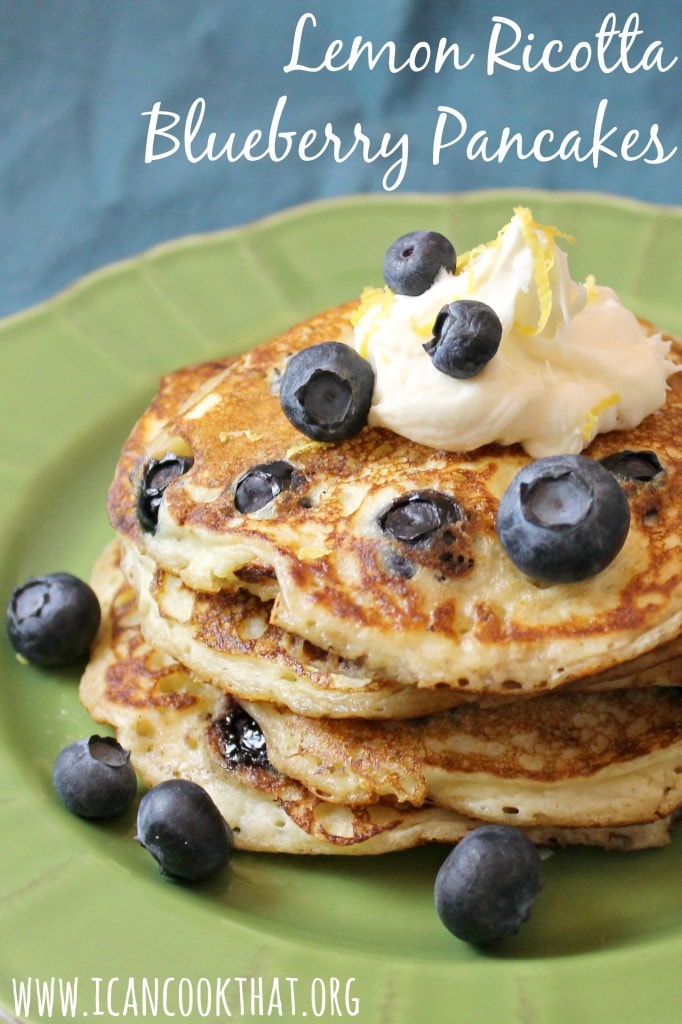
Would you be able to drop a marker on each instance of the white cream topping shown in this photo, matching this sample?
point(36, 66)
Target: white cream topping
point(573, 361)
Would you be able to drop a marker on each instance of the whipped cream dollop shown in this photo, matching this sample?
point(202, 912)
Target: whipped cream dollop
point(572, 362)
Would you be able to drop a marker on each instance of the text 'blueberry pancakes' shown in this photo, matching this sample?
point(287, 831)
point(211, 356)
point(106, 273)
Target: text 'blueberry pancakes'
point(446, 515)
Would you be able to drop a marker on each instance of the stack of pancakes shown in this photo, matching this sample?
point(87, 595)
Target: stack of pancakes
point(340, 685)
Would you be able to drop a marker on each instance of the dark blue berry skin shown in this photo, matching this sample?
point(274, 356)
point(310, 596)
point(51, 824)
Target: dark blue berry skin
point(466, 336)
point(563, 519)
point(261, 484)
point(157, 477)
point(52, 620)
point(412, 263)
point(326, 391)
point(627, 465)
point(94, 778)
point(179, 824)
point(487, 885)
point(417, 517)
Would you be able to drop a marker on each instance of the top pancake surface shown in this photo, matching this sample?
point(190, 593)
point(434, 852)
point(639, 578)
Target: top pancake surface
point(456, 611)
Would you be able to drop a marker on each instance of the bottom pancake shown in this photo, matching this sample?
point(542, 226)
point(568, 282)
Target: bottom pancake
point(569, 760)
point(176, 726)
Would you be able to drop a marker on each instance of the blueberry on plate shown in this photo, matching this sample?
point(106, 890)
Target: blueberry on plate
point(326, 391)
point(158, 475)
point(52, 620)
point(466, 336)
point(261, 484)
point(487, 885)
point(412, 263)
point(180, 825)
point(563, 518)
point(94, 777)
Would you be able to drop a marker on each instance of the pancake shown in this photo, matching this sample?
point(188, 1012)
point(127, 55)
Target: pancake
point(175, 727)
point(455, 611)
point(555, 767)
point(228, 640)
point(569, 760)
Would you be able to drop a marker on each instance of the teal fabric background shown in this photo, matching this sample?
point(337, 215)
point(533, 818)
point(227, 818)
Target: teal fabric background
point(78, 76)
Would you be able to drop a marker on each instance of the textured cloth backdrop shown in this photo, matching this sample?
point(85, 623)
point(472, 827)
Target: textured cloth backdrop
point(85, 83)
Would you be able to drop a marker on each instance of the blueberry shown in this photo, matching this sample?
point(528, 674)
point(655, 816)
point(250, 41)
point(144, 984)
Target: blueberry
point(180, 825)
point(260, 484)
point(326, 391)
point(414, 518)
point(94, 778)
point(412, 263)
point(157, 476)
point(487, 885)
point(241, 740)
point(628, 465)
point(563, 518)
point(466, 336)
point(52, 620)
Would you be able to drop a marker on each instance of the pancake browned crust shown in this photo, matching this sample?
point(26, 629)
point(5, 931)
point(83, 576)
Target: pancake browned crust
point(228, 640)
point(569, 760)
point(563, 765)
point(456, 612)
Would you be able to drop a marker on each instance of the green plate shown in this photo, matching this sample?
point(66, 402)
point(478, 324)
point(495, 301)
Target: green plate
point(81, 903)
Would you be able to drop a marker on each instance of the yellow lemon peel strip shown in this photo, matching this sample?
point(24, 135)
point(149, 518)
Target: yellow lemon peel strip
point(540, 239)
point(375, 300)
point(591, 288)
point(424, 330)
point(541, 248)
point(467, 261)
point(594, 414)
point(380, 297)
